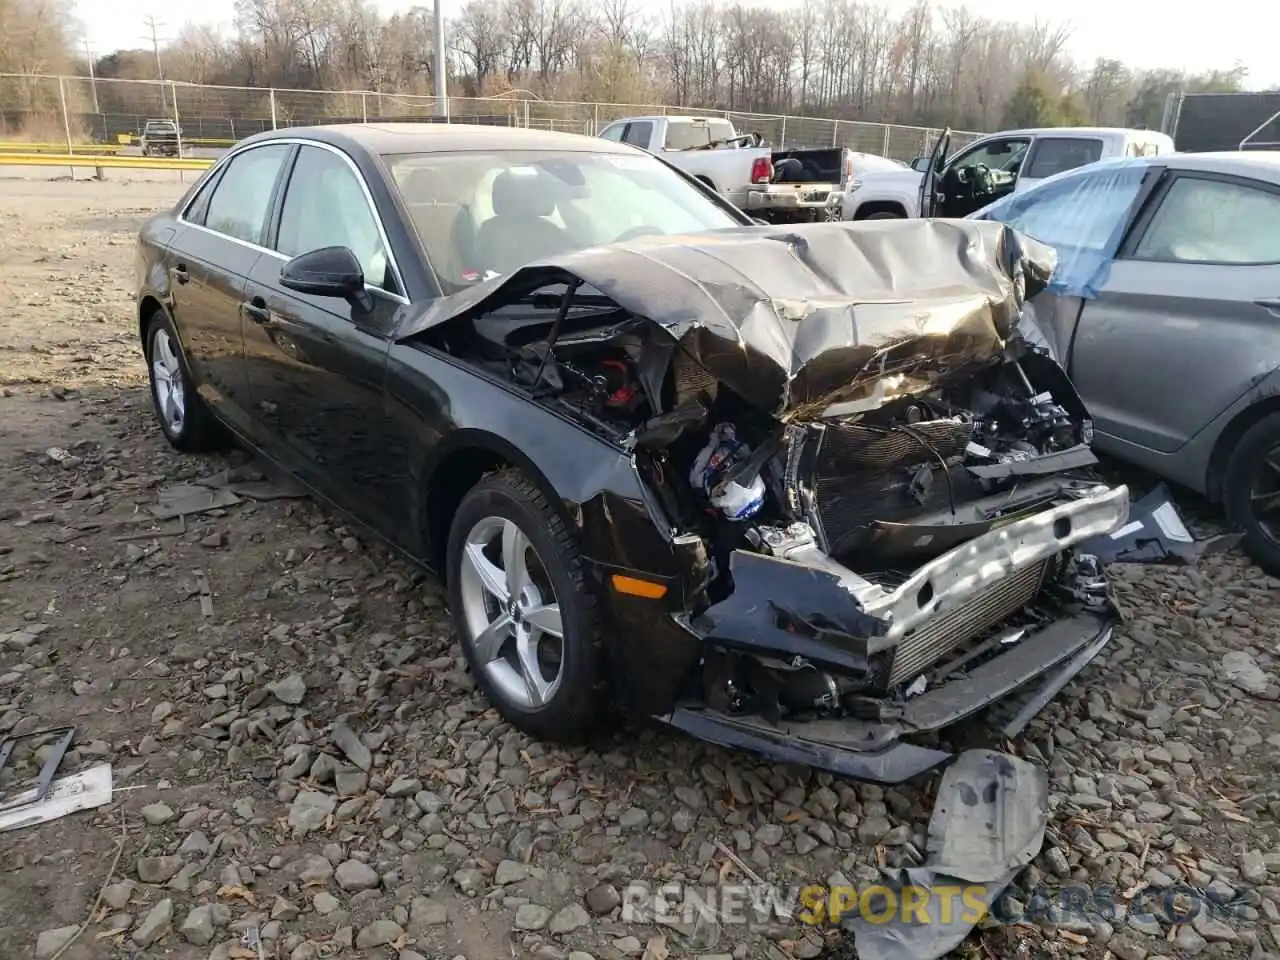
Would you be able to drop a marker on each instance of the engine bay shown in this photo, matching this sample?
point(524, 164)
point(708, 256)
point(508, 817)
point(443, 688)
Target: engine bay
point(722, 468)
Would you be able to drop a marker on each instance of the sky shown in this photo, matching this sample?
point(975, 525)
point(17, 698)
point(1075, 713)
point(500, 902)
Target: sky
point(1127, 30)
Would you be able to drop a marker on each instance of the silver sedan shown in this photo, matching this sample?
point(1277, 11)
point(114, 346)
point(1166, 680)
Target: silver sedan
point(1165, 310)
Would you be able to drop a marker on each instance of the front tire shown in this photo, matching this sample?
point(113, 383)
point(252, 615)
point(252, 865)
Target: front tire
point(1251, 492)
point(884, 215)
point(525, 614)
point(187, 423)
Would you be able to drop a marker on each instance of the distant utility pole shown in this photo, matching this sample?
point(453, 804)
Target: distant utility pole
point(153, 25)
point(442, 87)
point(93, 81)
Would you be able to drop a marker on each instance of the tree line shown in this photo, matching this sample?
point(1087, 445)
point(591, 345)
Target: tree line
point(848, 59)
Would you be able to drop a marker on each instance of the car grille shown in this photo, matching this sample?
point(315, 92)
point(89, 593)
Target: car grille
point(938, 637)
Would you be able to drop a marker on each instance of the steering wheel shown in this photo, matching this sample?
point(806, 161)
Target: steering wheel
point(636, 232)
point(981, 179)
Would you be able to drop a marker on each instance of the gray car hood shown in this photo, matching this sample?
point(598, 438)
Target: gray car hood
point(798, 319)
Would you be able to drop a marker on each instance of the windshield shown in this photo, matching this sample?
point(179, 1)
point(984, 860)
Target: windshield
point(480, 215)
point(681, 135)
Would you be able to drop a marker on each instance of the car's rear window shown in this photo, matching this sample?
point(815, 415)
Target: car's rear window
point(1050, 155)
point(683, 135)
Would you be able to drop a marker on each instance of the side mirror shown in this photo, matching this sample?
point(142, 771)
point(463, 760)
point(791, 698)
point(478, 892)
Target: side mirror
point(327, 272)
point(919, 164)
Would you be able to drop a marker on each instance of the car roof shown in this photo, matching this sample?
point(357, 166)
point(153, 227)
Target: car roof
point(670, 118)
point(387, 139)
point(1262, 164)
point(1080, 132)
point(1259, 164)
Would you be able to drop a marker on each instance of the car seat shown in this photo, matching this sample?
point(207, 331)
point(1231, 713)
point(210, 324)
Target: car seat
point(442, 221)
point(519, 230)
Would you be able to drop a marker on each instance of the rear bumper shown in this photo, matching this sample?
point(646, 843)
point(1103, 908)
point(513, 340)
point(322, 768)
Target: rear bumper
point(1037, 667)
point(784, 197)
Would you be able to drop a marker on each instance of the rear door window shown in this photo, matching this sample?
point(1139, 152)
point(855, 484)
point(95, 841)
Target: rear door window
point(1050, 155)
point(639, 134)
point(241, 200)
point(683, 136)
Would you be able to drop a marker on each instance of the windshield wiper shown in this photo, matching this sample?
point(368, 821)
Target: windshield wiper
point(565, 303)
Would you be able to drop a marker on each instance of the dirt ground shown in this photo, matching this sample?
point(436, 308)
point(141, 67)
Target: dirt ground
point(298, 756)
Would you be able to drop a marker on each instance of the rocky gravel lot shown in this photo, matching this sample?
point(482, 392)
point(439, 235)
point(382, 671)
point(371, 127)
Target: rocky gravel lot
point(299, 756)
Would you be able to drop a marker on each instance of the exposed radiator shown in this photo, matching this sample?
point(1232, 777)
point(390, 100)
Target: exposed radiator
point(928, 644)
point(861, 475)
point(854, 446)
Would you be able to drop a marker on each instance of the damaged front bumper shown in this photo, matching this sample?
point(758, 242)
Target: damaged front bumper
point(876, 752)
point(905, 662)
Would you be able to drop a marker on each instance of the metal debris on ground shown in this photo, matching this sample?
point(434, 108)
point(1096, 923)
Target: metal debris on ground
point(988, 823)
point(48, 769)
point(51, 799)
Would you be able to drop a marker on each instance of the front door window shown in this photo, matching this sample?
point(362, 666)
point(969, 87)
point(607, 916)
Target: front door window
point(984, 173)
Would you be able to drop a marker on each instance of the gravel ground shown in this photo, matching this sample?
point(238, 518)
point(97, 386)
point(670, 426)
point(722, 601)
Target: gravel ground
point(307, 758)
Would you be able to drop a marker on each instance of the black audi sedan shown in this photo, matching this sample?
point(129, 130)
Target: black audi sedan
point(797, 490)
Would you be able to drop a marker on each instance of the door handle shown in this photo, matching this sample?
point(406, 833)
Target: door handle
point(180, 273)
point(256, 310)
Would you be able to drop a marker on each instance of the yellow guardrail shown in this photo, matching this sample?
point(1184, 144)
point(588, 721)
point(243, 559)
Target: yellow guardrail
point(7, 147)
point(104, 162)
point(133, 140)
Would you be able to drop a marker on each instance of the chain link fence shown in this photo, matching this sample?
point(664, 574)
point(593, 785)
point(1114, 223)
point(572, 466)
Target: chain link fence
point(49, 109)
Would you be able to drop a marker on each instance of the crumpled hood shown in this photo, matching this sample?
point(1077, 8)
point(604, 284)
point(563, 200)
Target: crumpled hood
point(795, 319)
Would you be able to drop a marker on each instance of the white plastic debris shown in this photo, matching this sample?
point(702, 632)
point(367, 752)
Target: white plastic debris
point(81, 791)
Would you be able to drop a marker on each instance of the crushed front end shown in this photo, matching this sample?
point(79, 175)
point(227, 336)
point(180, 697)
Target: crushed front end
point(874, 496)
point(925, 566)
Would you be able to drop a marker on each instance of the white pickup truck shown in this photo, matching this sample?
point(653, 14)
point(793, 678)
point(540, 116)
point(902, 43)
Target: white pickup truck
point(990, 167)
point(780, 186)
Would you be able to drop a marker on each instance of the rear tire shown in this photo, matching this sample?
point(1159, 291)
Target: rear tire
point(1251, 492)
point(186, 422)
point(506, 534)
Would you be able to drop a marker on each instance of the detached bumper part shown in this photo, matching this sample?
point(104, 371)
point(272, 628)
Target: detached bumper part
point(988, 823)
point(1155, 534)
point(1053, 655)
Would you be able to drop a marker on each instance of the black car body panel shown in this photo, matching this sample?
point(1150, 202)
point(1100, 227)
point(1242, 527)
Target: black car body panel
point(912, 559)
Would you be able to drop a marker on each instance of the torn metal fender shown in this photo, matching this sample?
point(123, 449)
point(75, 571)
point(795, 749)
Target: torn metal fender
point(1155, 534)
point(988, 823)
point(799, 318)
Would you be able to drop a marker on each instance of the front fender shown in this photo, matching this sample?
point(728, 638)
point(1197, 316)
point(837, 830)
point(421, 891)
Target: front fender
point(448, 408)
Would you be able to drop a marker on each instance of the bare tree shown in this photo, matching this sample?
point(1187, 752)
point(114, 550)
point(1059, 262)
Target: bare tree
point(930, 64)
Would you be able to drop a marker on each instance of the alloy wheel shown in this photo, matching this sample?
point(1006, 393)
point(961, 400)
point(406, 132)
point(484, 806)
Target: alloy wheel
point(511, 612)
point(1264, 495)
point(167, 382)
